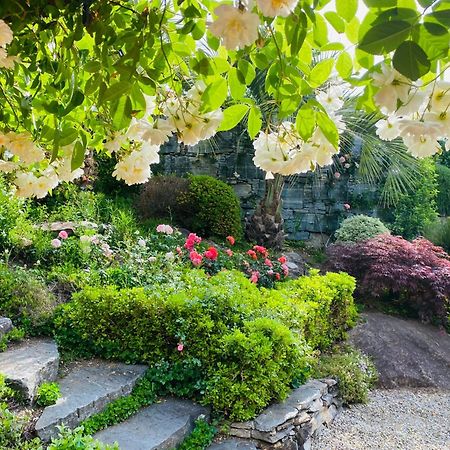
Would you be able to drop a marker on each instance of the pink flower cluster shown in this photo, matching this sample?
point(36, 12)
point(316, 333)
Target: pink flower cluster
point(166, 229)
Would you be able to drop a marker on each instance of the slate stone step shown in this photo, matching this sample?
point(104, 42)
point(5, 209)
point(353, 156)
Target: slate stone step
point(30, 364)
point(5, 326)
point(233, 444)
point(160, 426)
point(86, 390)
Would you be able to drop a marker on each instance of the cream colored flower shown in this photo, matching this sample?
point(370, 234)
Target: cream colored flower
point(440, 97)
point(442, 118)
point(7, 62)
point(8, 166)
point(393, 87)
point(388, 129)
point(115, 143)
point(410, 127)
point(422, 145)
point(273, 8)
point(331, 99)
point(236, 28)
point(22, 145)
point(6, 34)
point(25, 182)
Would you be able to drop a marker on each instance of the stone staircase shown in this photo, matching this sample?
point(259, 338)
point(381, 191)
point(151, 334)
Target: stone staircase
point(91, 385)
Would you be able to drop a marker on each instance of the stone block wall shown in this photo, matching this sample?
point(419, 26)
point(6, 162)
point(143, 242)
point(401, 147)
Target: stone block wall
point(313, 203)
point(291, 424)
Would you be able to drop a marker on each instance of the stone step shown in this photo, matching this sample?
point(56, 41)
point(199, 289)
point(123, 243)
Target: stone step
point(5, 326)
point(233, 444)
point(160, 426)
point(86, 390)
point(30, 364)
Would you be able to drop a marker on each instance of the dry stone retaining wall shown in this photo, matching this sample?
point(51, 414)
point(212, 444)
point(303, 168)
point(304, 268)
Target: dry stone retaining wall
point(291, 424)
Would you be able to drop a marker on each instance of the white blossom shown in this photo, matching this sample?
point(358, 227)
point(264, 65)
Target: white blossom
point(273, 8)
point(422, 145)
point(236, 28)
point(6, 34)
point(331, 99)
point(440, 97)
point(388, 129)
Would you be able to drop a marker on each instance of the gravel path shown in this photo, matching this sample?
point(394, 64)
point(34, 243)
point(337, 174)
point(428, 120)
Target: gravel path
point(397, 419)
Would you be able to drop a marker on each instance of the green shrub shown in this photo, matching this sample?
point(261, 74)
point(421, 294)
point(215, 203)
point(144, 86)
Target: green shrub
point(6, 393)
point(219, 336)
point(210, 207)
point(443, 196)
point(360, 228)
point(354, 371)
point(76, 440)
point(438, 233)
point(24, 298)
point(417, 209)
point(255, 365)
point(48, 394)
point(200, 438)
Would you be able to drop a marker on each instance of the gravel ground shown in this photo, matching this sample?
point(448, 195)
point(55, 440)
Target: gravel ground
point(403, 419)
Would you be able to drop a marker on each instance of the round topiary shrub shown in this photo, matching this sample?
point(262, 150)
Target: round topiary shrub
point(210, 207)
point(360, 228)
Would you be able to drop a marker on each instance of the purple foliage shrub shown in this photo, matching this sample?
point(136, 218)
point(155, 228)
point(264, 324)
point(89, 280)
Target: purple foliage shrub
point(414, 273)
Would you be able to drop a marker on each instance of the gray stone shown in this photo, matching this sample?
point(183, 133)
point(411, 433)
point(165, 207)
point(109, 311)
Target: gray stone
point(303, 417)
point(329, 381)
point(159, 427)
point(233, 444)
point(406, 352)
point(30, 364)
point(240, 433)
point(5, 326)
point(272, 437)
point(85, 391)
point(275, 415)
point(249, 425)
point(304, 395)
point(316, 405)
point(307, 445)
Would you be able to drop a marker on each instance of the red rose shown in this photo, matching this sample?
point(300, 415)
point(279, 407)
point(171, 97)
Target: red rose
point(211, 253)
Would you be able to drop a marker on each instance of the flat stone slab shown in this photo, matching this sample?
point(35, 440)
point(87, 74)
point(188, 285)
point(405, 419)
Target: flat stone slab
point(30, 364)
point(5, 326)
point(407, 353)
point(233, 444)
point(86, 390)
point(160, 426)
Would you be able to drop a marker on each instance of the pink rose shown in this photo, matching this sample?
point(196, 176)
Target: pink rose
point(195, 258)
point(268, 262)
point(63, 234)
point(180, 347)
point(342, 159)
point(56, 243)
point(254, 277)
point(347, 206)
point(211, 253)
point(229, 252)
point(337, 175)
point(160, 228)
point(282, 259)
point(231, 240)
point(285, 269)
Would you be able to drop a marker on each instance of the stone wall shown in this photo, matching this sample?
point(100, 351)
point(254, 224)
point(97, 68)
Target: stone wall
point(291, 424)
point(313, 203)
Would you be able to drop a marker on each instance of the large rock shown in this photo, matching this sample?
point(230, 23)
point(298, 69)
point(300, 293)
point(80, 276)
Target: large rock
point(296, 264)
point(5, 326)
point(86, 390)
point(406, 352)
point(30, 364)
point(159, 427)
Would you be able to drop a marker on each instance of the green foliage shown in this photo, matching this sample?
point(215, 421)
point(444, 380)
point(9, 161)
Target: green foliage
point(417, 209)
point(200, 438)
point(360, 228)
point(354, 371)
point(48, 394)
point(16, 334)
point(256, 365)
point(24, 298)
point(443, 197)
point(75, 440)
point(210, 207)
point(438, 233)
point(219, 337)
point(143, 394)
point(6, 392)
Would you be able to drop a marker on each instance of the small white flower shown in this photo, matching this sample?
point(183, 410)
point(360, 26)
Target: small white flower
point(331, 99)
point(170, 256)
point(422, 146)
point(273, 8)
point(236, 28)
point(440, 97)
point(388, 129)
point(142, 243)
point(6, 34)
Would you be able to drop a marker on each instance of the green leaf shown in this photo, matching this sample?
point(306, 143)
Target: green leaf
point(305, 122)
point(344, 65)
point(67, 136)
point(237, 89)
point(76, 100)
point(320, 31)
point(442, 16)
point(116, 90)
point(321, 72)
point(385, 37)
point(347, 9)
point(328, 128)
point(425, 3)
point(78, 155)
point(121, 113)
point(380, 3)
point(335, 20)
point(410, 60)
point(254, 122)
point(215, 95)
point(232, 116)
point(247, 71)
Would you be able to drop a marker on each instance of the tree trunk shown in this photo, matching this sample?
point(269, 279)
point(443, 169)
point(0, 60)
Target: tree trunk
point(266, 225)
